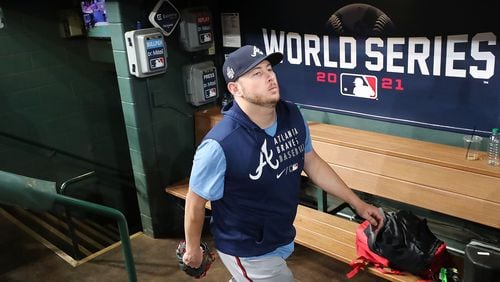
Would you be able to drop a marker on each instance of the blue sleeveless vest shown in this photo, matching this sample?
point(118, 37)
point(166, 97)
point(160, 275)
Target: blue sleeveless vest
point(262, 181)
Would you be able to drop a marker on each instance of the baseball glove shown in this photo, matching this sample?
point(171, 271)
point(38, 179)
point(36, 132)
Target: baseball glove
point(208, 259)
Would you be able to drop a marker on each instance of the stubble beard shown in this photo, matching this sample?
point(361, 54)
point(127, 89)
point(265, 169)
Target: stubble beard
point(263, 100)
point(259, 101)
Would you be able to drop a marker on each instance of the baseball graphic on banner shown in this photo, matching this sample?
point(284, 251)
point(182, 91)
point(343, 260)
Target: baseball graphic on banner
point(360, 19)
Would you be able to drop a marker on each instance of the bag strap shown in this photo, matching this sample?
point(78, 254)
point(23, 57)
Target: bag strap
point(356, 266)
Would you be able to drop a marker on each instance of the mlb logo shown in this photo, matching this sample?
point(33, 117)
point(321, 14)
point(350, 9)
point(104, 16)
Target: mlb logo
point(211, 92)
point(205, 37)
point(358, 85)
point(157, 63)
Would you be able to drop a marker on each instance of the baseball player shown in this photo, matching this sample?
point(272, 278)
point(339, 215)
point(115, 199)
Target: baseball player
point(249, 166)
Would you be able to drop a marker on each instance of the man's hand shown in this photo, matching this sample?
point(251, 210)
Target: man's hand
point(193, 257)
point(194, 262)
point(371, 213)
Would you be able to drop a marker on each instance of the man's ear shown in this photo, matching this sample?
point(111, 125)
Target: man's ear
point(233, 88)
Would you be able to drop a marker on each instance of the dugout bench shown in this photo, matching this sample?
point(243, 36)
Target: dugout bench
point(430, 176)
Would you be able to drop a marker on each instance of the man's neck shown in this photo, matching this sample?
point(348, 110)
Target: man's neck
point(263, 116)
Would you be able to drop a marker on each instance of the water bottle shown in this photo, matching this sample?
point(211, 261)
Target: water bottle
point(494, 148)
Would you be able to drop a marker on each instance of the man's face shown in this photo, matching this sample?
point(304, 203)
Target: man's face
point(259, 86)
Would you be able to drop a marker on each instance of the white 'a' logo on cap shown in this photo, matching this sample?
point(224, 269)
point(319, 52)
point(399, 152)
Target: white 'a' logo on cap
point(230, 72)
point(256, 51)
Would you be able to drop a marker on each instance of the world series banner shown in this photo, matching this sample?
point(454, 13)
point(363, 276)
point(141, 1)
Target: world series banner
point(398, 61)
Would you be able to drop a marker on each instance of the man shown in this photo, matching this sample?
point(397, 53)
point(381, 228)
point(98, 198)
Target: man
point(249, 167)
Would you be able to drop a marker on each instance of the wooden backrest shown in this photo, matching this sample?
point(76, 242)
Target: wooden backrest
point(428, 175)
point(424, 174)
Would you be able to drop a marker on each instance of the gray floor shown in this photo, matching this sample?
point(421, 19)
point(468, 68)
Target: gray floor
point(25, 259)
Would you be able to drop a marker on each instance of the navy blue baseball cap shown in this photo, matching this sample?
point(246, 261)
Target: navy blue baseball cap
point(244, 59)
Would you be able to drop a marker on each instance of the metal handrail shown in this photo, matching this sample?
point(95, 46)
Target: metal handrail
point(113, 214)
point(69, 221)
point(41, 195)
point(62, 188)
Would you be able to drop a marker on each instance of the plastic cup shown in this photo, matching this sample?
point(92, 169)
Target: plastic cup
point(472, 146)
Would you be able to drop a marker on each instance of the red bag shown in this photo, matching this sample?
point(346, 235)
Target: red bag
point(404, 243)
point(366, 257)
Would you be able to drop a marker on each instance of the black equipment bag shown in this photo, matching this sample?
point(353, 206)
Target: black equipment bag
point(408, 244)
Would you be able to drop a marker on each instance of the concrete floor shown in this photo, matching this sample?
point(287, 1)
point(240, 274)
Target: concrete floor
point(23, 258)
